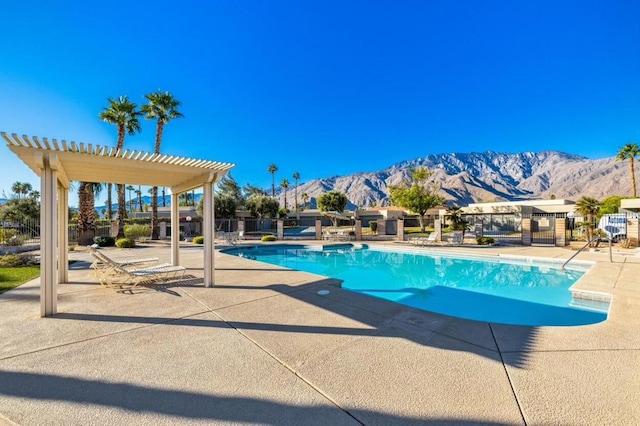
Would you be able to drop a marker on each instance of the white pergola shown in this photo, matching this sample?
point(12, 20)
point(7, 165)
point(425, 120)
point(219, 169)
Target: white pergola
point(59, 163)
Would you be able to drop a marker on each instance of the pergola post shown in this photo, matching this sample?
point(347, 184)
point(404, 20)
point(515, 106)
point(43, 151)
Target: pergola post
point(48, 235)
point(175, 228)
point(63, 234)
point(208, 232)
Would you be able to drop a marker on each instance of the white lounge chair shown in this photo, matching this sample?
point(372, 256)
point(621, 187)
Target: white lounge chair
point(119, 273)
point(424, 241)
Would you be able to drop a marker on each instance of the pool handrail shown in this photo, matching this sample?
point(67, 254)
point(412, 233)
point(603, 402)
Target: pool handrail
point(578, 252)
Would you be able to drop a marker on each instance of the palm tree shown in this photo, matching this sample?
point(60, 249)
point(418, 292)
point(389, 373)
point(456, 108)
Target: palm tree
point(629, 152)
point(284, 185)
point(296, 176)
point(87, 191)
point(34, 195)
point(130, 188)
point(163, 108)
point(124, 114)
point(273, 169)
point(139, 194)
point(21, 188)
point(305, 198)
point(588, 207)
point(109, 202)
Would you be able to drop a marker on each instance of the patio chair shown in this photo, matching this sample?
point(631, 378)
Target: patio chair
point(425, 241)
point(116, 273)
point(457, 239)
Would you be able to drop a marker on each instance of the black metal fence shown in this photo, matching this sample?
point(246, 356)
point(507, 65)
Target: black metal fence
point(15, 236)
point(502, 227)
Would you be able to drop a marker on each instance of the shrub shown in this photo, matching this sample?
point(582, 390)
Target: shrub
point(137, 232)
point(373, 225)
point(268, 238)
point(485, 241)
point(104, 241)
point(15, 260)
point(125, 243)
point(198, 240)
point(17, 240)
point(7, 234)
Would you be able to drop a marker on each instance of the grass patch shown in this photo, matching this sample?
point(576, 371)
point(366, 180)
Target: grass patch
point(13, 277)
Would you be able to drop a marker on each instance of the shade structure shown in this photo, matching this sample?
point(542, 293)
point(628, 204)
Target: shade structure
point(57, 163)
point(336, 215)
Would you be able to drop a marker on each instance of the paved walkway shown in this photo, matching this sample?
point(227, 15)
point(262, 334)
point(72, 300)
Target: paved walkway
point(264, 348)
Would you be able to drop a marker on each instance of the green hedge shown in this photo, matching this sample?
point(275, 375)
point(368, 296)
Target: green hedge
point(268, 238)
point(485, 241)
point(104, 241)
point(125, 243)
point(137, 232)
point(198, 240)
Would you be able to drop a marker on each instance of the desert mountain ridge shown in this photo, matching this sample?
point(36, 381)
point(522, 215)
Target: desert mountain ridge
point(485, 176)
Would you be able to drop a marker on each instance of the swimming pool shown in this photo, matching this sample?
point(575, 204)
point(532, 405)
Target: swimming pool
point(500, 290)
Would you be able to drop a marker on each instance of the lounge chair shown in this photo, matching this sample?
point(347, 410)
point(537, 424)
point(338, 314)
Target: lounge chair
point(457, 239)
point(119, 273)
point(424, 241)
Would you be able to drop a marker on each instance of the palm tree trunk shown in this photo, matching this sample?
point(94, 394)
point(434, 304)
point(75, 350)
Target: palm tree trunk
point(121, 211)
point(122, 208)
point(109, 204)
point(155, 234)
point(633, 176)
point(86, 214)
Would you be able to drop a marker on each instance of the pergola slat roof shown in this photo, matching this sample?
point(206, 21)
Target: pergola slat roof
point(59, 163)
point(97, 163)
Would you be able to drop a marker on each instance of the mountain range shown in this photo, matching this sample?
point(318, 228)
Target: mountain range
point(465, 178)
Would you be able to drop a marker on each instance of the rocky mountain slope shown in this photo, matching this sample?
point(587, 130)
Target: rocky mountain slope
point(487, 176)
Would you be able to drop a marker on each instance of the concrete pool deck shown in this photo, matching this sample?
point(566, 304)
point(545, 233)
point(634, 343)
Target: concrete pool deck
point(263, 347)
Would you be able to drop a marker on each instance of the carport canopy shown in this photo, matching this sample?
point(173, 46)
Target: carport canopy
point(57, 163)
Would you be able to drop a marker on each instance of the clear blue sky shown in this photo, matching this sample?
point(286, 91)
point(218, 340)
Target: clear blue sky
point(326, 87)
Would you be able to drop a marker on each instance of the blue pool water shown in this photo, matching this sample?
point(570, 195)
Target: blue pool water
point(499, 291)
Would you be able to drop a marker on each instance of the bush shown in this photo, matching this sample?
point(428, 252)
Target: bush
point(137, 232)
point(485, 241)
point(104, 241)
point(7, 234)
point(268, 238)
point(17, 240)
point(373, 225)
point(198, 240)
point(15, 260)
point(125, 243)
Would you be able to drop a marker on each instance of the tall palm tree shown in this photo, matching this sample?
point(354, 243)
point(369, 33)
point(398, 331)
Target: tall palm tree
point(124, 114)
point(629, 152)
point(21, 188)
point(273, 169)
point(109, 202)
point(305, 198)
point(130, 188)
point(162, 107)
point(296, 176)
point(139, 194)
point(16, 188)
point(87, 192)
point(588, 207)
point(284, 185)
